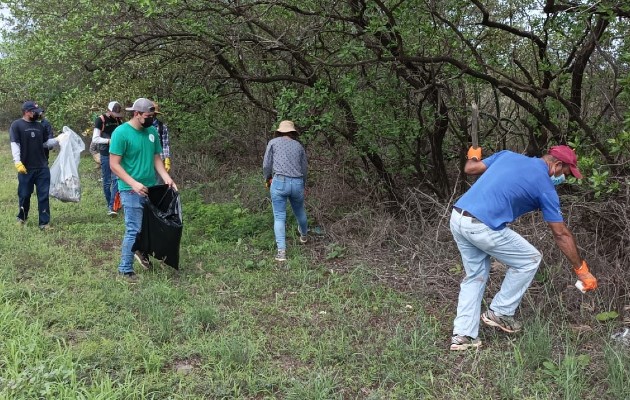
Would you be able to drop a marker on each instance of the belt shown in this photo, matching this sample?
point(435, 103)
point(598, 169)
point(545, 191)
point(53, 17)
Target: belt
point(463, 212)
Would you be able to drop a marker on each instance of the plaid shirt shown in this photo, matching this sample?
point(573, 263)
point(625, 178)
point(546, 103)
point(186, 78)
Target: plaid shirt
point(166, 144)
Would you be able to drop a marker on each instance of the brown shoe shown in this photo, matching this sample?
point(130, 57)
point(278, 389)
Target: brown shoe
point(143, 259)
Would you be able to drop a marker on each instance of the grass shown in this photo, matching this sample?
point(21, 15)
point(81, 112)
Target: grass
point(233, 324)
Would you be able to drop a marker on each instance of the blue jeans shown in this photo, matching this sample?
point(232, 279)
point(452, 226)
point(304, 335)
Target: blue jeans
point(110, 182)
point(283, 188)
point(133, 205)
point(477, 243)
point(40, 179)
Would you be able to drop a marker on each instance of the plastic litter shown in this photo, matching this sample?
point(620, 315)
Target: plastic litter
point(622, 337)
point(64, 173)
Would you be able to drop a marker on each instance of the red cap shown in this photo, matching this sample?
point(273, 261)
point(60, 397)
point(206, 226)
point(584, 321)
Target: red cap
point(567, 156)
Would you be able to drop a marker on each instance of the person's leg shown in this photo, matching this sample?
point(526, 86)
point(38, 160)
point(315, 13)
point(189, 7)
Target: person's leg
point(522, 261)
point(106, 174)
point(477, 267)
point(133, 205)
point(25, 190)
point(279, 205)
point(42, 183)
point(297, 204)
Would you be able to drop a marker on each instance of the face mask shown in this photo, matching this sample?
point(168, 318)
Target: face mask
point(557, 180)
point(148, 121)
point(36, 116)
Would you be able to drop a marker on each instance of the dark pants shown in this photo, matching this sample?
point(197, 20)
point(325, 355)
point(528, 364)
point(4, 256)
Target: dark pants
point(39, 178)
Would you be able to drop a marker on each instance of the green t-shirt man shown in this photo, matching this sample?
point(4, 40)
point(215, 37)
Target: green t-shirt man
point(137, 149)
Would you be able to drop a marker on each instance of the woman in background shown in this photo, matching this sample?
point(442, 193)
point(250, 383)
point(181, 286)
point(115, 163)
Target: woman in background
point(284, 170)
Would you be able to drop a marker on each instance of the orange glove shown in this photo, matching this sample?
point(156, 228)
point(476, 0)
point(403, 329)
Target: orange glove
point(474, 154)
point(268, 183)
point(585, 277)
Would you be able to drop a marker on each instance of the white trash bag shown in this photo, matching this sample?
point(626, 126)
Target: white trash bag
point(64, 173)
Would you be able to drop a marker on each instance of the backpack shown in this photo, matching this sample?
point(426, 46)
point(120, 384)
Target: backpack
point(102, 146)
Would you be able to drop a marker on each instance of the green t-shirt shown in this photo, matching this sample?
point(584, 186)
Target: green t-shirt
point(137, 149)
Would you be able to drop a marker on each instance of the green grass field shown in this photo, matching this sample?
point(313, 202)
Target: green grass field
point(233, 324)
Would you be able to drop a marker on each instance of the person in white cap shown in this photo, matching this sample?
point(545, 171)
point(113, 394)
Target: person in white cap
point(135, 158)
point(104, 126)
point(284, 169)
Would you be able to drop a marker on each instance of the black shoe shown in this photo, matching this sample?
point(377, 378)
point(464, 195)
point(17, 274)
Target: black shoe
point(143, 259)
point(130, 277)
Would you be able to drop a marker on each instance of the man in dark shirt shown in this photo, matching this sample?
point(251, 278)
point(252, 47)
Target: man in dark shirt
point(28, 139)
point(104, 126)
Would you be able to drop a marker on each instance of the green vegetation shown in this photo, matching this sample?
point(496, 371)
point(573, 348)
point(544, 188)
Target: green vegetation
point(233, 324)
point(382, 88)
point(381, 93)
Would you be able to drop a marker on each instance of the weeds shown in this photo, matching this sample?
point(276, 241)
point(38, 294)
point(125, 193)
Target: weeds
point(341, 319)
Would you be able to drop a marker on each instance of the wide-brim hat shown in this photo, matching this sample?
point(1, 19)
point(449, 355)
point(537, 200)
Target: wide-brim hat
point(286, 127)
point(567, 156)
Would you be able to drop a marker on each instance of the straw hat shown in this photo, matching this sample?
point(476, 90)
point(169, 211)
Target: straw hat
point(286, 127)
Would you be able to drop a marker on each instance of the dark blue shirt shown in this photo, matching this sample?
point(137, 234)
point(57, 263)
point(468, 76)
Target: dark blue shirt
point(31, 137)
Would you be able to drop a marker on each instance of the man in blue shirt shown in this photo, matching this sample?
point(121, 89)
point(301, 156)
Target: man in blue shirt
point(510, 185)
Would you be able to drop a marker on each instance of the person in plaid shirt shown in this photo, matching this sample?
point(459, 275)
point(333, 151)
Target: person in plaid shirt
point(164, 140)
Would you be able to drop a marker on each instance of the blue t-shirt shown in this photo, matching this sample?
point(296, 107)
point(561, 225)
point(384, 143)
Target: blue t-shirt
point(512, 185)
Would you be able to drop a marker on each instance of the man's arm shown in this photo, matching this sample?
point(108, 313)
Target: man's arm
point(114, 164)
point(473, 167)
point(99, 125)
point(566, 242)
point(97, 138)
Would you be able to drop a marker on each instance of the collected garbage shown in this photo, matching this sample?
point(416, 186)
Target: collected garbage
point(162, 225)
point(64, 173)
point(622, 337)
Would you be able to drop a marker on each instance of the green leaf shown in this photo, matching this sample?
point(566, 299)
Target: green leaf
point(606, 316)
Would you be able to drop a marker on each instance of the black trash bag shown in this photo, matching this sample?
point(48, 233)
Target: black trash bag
point(161, 231)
